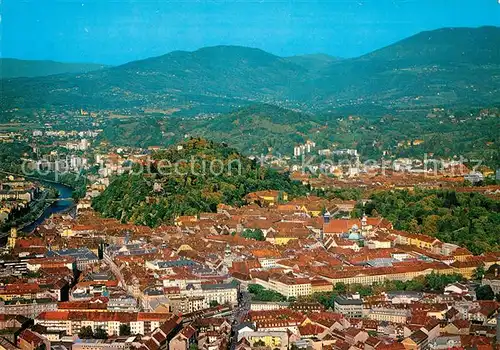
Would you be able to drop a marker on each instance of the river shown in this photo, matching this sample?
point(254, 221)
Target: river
point(54, 208)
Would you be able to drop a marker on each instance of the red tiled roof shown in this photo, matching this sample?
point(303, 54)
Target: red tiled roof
point(102, 316)
point(188, 332)
point(311, 329)
point(326, 319)
point(31, 337)
point(20, 288)
point(340, 226)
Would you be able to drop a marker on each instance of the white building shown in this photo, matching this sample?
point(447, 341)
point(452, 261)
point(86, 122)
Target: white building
point(223, 293)
point(286, 285)
point(72, 321)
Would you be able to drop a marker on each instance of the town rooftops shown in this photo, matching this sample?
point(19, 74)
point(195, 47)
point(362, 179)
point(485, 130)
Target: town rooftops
point(97, 316)
point(77, 253)
point(344, 300)
point(232, 285)
point(419, 337)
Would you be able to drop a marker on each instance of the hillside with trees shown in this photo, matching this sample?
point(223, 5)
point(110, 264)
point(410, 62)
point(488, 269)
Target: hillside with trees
point(262, 128)
point(201, 175)
point(467, 219)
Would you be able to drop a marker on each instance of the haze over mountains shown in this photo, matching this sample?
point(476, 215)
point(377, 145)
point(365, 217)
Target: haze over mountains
point(15, 68)
point(451, 66)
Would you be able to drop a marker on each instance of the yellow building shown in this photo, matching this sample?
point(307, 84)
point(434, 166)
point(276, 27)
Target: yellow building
point(184, 247)
point(283, 240)
point(462, 254)
point(466, 268)
point(321, 285)
point(313, 209)
point(377, 275)
point(67, 232)
point(27, 293)
point(267, 340)
point(421, 241)
point(267, 198)
point(11, 242)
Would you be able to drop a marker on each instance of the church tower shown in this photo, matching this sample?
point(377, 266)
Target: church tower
point(11, 242)
point(364, 223)
point(227, 254)
point(228, 259)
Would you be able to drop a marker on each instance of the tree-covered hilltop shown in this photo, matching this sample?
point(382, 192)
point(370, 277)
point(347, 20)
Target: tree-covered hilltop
point(467, 219)
point(253, 129)
point(262, 128)
point(189, 178)
point(12, 155)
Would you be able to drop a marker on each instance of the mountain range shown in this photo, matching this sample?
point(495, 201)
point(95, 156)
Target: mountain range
point(445, 67)
point(15, 68)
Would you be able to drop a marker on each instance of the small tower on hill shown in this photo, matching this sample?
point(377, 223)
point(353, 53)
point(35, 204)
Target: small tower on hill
point(11, 242)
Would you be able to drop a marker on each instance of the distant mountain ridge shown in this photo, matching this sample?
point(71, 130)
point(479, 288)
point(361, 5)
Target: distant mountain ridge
point(313, 61)
point(441, 46)
point(440, 67)
point(15, 68)
point(443, 67)
point(216, 70)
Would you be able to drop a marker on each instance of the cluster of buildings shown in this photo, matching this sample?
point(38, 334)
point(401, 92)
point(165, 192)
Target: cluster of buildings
point(304, 148)
point(340, 166)
point(320, 329)
point(186, 285)
point(382, 180)
point(16, 194)
point(338, 152)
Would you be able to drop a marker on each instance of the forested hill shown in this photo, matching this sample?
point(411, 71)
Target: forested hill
point(263, 128)
point(202, 174)
point(453, 66)
point(446, 46)
point(467, 219)
point(449, 66)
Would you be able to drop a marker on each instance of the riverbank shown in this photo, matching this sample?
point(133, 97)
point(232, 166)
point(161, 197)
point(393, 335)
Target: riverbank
point(30, 221)
point(37, 215)
point(57, 206)
point(37, 208)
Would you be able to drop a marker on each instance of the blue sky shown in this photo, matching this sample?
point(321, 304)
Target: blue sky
point(117, 31)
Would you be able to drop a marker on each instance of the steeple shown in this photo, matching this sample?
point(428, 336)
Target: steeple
point(364, 222)
point(11, 242)
point(228, 259)
point(227, 251)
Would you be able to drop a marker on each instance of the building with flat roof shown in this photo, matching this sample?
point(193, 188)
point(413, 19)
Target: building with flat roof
point(120, 343)
point(27, 307)
point(222, 293)
point(72, 321)
point(349, 306)
point(83, 256)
